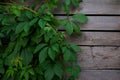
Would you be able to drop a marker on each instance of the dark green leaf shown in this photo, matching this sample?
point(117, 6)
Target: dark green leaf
point(55, 47)
point(69, 28)
point(75, 48)
point(76, 28)
point(20, 27)
point(26, 56)
point(80, 18)
point(49, 74)
point(43, 54)
point(32, 22)
point(58, 70)
point(75, 3)
point(67, 55)
point(39, 47)
point(51, 54)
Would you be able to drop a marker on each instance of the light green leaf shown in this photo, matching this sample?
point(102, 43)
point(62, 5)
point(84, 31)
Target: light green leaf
point(43, 54)
point(80, 18)
point(51, 54)
point(67, 2)
point(42, 23)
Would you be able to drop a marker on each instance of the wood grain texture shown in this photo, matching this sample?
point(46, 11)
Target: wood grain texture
point(99, 58)
point(95, 7)
point(99, 23)
point(96, 38)
point(100, 75)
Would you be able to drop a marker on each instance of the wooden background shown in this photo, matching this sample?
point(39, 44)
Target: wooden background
point(100, 39)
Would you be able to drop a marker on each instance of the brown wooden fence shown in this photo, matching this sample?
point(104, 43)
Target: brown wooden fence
point(100, 40)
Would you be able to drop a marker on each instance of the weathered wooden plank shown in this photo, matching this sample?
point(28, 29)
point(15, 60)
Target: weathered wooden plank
point(106, 57)
point(95, 38)
point(99, 23)
point(99, 58)
point(96, 7)
point(100, 75)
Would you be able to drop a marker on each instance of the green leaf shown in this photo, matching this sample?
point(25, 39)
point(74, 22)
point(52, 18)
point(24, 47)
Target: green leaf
point(26, 56)
point(26, 27)
point(69, 28)
point(51, 54)
point(75, 48)
point(55, 47)
point(39, 47)
point(20, 27)
point(80, 18)
point(33, 21)
point(75, 3)
point(66, 8)
point(67, 2)
point(49, 74)
point(67, 55)
point(63, 22)
point(76, 28)
point(58, 70)
point(2, 70)
point(42, 23)
point(73, 71)
point(43, 54)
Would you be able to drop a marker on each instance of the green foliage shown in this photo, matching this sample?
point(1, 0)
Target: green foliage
point(32, 47)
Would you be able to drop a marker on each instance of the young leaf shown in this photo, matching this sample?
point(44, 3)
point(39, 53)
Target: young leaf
point(69, 28)
point(80, 18)
point(43, 54)
point(42, 23)
point(51, 54)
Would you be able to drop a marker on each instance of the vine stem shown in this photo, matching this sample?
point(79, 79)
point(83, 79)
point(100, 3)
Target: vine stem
point(23, 7)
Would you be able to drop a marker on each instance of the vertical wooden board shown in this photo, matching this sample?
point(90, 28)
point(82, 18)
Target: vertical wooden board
point(106, 57)
point(100, 75)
